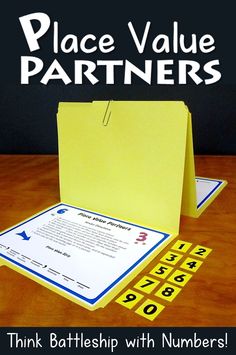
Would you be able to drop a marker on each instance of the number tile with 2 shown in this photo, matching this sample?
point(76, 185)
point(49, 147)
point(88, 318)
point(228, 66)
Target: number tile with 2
point(201, 252)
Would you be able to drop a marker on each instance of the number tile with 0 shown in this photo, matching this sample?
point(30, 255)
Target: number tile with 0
point(150, 309)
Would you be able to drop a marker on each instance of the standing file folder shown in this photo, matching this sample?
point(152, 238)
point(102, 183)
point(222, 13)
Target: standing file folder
point(126, 174)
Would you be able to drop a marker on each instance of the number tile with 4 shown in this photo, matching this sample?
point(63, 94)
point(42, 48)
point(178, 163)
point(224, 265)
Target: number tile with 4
point(191, 264)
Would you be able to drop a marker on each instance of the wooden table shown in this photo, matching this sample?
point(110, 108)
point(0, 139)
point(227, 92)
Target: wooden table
point(29, 184)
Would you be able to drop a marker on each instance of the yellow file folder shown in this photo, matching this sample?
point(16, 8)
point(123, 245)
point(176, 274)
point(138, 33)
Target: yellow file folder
point(130, 159)
point(126, 174)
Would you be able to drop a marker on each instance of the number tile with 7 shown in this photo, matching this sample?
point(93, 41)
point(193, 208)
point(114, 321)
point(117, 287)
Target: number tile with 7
point(146, 284)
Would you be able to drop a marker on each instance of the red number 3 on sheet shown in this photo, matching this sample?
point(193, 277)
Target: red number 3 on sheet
point(142, 237)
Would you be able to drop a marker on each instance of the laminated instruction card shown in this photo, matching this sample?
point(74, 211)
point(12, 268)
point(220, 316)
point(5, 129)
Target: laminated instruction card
point(126, 174)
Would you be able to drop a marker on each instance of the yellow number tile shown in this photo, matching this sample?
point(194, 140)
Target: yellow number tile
point(150, 309)
point(200, 251)
point(181, 245)
point(129, 298)
point(180, 278)
point(146, 284)
point(191, 264)
point(161, 270)
point(171, 257)
point(168, 292)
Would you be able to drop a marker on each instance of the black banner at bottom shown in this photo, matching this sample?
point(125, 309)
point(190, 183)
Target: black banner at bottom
point(117, 340)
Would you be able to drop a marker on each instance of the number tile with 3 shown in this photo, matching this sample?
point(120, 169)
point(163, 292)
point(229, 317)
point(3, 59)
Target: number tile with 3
point(171, 258)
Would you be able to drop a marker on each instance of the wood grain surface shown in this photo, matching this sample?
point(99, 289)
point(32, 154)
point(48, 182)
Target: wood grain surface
point(29, 184)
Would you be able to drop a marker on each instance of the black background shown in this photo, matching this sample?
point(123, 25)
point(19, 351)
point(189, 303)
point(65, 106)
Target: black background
point(28, 112)
point(120, 334)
